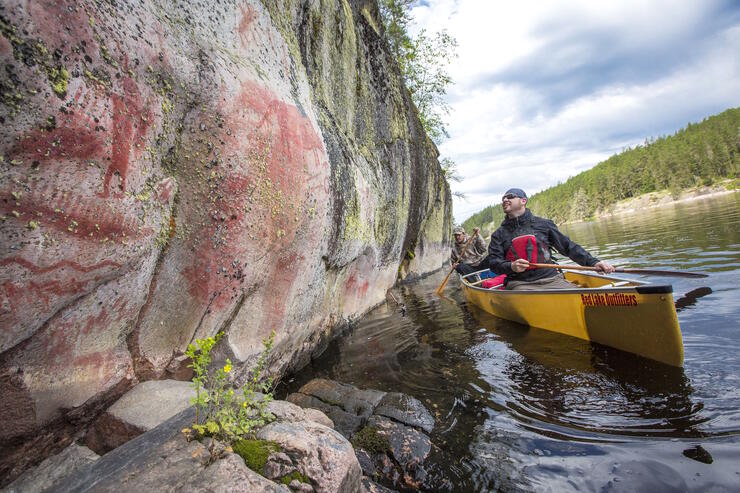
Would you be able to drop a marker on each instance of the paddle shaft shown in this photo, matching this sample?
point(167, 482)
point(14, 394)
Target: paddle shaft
point(669, 273)
point(462, 252)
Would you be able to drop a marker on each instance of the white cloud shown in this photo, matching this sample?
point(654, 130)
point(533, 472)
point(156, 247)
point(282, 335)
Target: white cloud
point(545, 90)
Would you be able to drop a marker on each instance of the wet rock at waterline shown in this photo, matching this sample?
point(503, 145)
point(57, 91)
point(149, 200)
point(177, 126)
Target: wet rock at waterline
point(369, 486)
point(408, 447)
point(172, 170)
point(345, 423)
point(348, 397)
point(386, 429)
point(406, 410)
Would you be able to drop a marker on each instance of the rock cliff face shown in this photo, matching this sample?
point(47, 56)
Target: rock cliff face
point(175, 168)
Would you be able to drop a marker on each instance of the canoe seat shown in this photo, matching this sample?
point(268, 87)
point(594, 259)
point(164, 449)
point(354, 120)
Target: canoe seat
point(615, 284)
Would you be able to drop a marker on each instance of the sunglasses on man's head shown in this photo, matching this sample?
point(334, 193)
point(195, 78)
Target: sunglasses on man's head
point(509, 196)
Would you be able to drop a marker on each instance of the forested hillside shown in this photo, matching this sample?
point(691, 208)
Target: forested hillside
point(700, 154)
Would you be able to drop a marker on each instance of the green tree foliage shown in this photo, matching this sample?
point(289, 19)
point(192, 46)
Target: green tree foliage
point(423, 60)
point(427, 79)
point(697, 155)
point(396, 16)
point(488, 219)
point(449, 169)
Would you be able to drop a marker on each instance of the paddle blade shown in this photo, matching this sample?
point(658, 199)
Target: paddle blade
point(666, 273)
point(690, 298)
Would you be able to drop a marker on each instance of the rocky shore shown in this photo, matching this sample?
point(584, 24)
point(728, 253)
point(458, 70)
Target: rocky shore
point(664, 198)
point(327, 437)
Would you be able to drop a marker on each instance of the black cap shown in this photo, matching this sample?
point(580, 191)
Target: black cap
point(516, 191)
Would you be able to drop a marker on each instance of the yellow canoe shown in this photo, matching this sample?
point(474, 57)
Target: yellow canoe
point(625, 314)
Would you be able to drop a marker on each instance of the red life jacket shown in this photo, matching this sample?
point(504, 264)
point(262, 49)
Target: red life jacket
point(525, 247)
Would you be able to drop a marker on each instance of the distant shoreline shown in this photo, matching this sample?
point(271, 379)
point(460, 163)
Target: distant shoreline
point(652, 200)
point(662, 198)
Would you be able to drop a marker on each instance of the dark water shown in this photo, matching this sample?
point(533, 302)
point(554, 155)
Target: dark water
point(525, 409)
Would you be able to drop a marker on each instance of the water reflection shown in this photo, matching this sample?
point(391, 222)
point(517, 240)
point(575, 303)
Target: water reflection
point(563, 387)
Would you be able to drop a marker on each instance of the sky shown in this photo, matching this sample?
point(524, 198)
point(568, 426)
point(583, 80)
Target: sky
point(546, 89)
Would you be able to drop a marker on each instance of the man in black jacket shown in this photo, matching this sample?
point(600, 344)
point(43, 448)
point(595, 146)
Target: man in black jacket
point(523, 238)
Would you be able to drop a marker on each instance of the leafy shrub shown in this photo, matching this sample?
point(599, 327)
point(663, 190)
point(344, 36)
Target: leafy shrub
point(220, 412)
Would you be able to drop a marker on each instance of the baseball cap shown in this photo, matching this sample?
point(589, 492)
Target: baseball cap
point(516, 191)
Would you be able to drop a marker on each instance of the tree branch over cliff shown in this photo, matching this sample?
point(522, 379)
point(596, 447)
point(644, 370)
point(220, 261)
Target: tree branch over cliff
point(423, 60)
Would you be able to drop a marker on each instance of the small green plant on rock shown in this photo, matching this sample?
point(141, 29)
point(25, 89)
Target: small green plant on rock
point(220, 412)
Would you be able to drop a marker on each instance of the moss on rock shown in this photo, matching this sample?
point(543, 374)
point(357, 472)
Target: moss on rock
point(255, 452)
point(370, 440)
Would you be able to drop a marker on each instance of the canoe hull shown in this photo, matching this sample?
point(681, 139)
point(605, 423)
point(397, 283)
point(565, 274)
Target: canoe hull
point(636, 318)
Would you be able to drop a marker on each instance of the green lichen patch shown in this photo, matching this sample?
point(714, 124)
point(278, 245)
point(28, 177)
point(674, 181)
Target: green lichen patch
point(370, 20)
point(287, 479)
point(98, 76)
point(59, 78)
point(370, 440)
point(106, 56)
point(255, 452)
point(166, 231)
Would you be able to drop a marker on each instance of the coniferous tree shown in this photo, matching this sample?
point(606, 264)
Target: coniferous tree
point(700, 154)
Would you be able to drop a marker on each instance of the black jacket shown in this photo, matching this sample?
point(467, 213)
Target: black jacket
point(548, 237)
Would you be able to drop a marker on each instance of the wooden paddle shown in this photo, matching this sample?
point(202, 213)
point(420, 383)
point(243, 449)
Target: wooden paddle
point(667, 273)
point(462, 252)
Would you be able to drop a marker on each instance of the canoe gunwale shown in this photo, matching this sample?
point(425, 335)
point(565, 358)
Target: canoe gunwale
point(642, 288)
